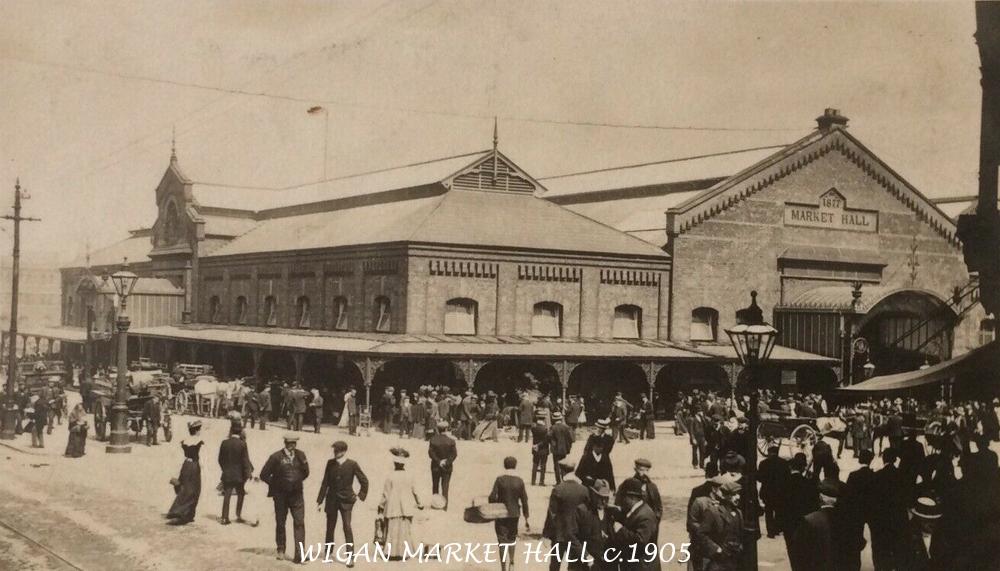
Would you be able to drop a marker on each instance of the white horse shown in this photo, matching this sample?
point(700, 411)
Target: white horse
point(212, 389)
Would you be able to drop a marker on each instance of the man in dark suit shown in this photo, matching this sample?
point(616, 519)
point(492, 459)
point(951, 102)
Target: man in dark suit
point(264, 401)
point(352, 412)
point(573, 414)
point(717, 536)
point(888, 522)
point(561, 439)
point(857, 503)
point(772, 475)
point(251, 406)
point(563, 501)
point(591, 526)
point(526, 413)
point(284, 472)
point(337, 489)
point(696, 435)
point(509, 490)
point(443, 452)
point(800, 499)
point(635, 529)
point(595, 465)
point(299, 406)
point(540, 452)
point(234, 459)
point(151, 416)
point(815, 540)
point(650, 493)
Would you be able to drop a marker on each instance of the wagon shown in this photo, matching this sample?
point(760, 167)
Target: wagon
point(797, 433)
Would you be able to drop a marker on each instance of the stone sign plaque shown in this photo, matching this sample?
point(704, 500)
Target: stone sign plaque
point(832, 213)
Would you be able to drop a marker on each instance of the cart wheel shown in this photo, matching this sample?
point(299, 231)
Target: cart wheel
point(804, 436)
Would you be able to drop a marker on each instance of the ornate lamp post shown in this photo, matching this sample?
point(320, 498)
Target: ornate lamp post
point(753, 340)
point(124, 282)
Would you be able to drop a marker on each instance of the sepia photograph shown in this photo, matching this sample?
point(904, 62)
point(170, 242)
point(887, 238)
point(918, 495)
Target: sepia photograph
point(498, 285)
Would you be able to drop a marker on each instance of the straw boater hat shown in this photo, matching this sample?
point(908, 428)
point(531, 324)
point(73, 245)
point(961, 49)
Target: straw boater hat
point(557, 415)
point(926, 508)
point(604, 423)
point(194, 424)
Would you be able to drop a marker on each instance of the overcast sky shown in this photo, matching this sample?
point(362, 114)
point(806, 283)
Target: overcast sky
point(91, 91)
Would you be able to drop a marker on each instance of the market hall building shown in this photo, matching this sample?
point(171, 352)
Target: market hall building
point(468, 271)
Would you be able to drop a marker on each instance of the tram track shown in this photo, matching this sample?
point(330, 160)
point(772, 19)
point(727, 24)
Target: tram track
point(6, 525)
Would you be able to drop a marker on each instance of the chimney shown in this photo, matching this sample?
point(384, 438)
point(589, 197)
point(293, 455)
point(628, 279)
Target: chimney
point(829, 118)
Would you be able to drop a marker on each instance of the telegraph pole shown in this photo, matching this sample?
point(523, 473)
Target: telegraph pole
point(10, 411)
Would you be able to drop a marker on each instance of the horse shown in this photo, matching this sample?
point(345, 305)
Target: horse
point(208, 387)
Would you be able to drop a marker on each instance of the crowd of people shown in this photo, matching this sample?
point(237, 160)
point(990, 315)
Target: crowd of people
point(932, 503)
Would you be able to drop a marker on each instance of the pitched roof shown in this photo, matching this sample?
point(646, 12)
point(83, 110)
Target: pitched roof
point(456, 217)
point(262, 199)
point(136, 248)
point(709, 167)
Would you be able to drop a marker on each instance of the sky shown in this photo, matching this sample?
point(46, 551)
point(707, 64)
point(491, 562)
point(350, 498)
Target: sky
point(92, 92)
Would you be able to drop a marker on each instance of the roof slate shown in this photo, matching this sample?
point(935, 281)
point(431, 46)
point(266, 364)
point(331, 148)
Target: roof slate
point(135, 248)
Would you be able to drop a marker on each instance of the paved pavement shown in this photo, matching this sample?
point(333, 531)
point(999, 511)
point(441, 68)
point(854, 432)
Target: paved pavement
point(106, 511)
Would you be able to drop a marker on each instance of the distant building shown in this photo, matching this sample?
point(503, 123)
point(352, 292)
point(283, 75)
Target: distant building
point(39, 302)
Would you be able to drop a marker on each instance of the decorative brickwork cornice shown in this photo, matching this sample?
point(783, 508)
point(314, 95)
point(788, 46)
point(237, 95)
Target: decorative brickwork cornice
point(381, 266)
point(630, 277)
point(546, 273)
point(744, 185)
point(462, 268)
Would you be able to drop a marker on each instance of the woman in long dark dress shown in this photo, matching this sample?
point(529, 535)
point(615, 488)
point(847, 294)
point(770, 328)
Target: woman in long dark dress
point(188, 484)
point(77, 443)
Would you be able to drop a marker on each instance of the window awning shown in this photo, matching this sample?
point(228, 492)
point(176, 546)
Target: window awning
point(985, 356)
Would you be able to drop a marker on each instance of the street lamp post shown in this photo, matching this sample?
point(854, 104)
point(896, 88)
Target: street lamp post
point(753, 340)
point(124, 282)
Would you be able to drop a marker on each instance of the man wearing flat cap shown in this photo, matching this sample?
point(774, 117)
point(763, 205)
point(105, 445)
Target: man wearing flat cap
point(337, 489)
point(818, 539)
point(650, 493)
point(284, 472)
point(565, 497)
point(443, 451)
point(634, 530)
point(592, 526)
point(718, 536)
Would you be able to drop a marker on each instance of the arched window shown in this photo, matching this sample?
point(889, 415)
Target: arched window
point(69, 311)
point(215, 309)
point(546, 321)
point(460, 317)
point(704, 324)
point(340, 313)
point(987, 331)
point(302, 312)
point(627, 323)
point(241, 310)
point(383, 314)
point(270, 311)
point(171, 225)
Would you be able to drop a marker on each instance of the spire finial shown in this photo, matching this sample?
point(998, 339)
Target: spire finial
point(496, 137)
point(173, 144)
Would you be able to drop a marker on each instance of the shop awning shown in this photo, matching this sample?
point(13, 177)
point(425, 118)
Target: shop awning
point(985, 356)
point(779, 354)
point(405, 345)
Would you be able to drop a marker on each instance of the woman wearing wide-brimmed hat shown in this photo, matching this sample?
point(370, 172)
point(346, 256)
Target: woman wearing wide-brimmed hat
point(398, 505)
point(188, 484)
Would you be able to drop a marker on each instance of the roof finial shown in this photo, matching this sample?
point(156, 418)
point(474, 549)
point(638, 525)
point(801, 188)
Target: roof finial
point(496, 142)
point(496, 137)
point(173, 144)
point(87, 250)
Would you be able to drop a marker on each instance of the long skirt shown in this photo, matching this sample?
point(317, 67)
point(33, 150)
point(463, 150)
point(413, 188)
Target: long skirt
point(188, 491)
point(486, 430)
point(344, 418)
point(77, 443)
point(399, 533)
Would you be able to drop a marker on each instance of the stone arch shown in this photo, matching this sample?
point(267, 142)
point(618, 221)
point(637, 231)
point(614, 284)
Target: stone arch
point(411, 373)
point(505, 376)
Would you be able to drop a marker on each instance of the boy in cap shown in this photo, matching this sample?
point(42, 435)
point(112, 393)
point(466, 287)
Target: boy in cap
point(508, 489)
point(336, 493)
point(650, 493)
point(284, 472)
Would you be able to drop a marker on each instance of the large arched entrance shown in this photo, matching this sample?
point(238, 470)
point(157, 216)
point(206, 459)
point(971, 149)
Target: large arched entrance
point(506, 377)
point(677, 380)
point(599, 381)
point(907, 328)
point(411, 373)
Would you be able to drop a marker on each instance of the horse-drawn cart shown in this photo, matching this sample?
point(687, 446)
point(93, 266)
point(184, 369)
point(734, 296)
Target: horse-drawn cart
point(799, 434)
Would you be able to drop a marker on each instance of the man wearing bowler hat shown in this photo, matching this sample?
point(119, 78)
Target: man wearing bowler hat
point(284, 472)
point(650, 493)
point(337, 489)
point(561, 440)
point(634, 530)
